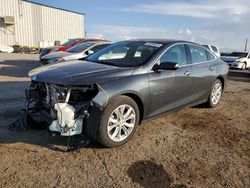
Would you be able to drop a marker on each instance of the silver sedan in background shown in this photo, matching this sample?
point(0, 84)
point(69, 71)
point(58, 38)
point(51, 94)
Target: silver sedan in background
point(76, 52)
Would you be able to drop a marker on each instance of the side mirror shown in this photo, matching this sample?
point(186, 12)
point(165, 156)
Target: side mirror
point(89, 52)
point(166, 66)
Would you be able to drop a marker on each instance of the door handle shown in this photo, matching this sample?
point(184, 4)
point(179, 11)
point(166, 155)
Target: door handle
point(211, 68)
point(187, 73)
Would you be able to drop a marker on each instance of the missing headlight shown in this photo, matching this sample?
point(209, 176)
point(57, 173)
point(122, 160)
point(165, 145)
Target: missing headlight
point(82, 94)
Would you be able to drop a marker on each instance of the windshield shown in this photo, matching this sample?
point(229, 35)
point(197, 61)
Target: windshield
point(70, 42)
point(125, 54)
point(238, 54)
point(80, 47)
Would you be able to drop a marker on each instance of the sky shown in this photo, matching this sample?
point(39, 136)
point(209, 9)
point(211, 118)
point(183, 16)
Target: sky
point(224, 23)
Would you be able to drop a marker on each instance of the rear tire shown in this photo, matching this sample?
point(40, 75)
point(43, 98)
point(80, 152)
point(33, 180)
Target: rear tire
point(119, 122)
point(215, 94)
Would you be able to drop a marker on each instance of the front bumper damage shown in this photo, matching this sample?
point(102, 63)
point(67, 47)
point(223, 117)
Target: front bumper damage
point(65, 110)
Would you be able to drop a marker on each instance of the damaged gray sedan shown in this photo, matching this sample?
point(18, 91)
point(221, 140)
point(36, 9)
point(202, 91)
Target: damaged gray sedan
point(112, 91)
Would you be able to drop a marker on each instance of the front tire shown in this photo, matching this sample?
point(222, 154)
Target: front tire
point(119, 122)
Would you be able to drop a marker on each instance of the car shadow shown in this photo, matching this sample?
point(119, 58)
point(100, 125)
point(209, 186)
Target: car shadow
point(41, 137)
point(150, 174)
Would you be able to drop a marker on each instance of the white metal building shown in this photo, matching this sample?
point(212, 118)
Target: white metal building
point(28, 24)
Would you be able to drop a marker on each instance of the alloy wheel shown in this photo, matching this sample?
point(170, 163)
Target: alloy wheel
point(216, 93)
point(121, 123)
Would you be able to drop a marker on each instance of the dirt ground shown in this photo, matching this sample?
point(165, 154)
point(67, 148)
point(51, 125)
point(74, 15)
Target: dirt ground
point(195, 147)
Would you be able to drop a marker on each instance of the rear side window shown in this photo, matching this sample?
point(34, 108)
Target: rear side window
point(198, 54)
point(210, 56)
point(214, 48)
point(176, 54)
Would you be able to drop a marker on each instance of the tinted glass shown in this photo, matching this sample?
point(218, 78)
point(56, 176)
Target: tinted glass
point(80, 47)
point(125, 54)
point(176, 54)
point(214, 48)
point(198, 54)
point(210, 56)
point(99, 47)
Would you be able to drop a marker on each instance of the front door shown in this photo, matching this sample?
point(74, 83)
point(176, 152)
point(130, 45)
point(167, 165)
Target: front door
point(170, 89)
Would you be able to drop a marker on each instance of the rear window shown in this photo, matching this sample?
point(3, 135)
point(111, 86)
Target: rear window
point(80, 47)
point(99, 47)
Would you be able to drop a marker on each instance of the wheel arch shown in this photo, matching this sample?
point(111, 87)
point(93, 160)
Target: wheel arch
point(221, 78)
point(139, 103)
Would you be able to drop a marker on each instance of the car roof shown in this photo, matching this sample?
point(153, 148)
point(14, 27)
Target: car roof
point(162, 41)
point(100, 42)
point(92, 39)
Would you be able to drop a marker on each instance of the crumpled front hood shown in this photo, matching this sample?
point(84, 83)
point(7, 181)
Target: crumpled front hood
point(229, 58)
point(56, 55)
point(78, 73)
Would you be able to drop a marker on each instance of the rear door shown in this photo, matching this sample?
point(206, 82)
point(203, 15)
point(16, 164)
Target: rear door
point(170, 89)
point(203, 70)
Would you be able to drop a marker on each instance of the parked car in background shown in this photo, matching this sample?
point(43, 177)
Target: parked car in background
point(238, 60)
point(214, 49)
point(65, 46)
point(74, 53)
point(6, 49)
point(106, 96)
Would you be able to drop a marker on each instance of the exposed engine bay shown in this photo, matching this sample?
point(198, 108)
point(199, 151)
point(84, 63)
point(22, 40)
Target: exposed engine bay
point(63, 109)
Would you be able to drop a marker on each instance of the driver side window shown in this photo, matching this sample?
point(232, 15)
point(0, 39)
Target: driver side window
point(176, 54)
